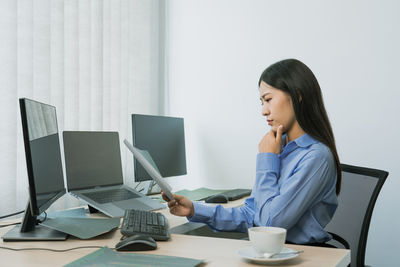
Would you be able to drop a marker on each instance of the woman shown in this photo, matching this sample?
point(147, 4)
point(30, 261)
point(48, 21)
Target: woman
point(297, 170)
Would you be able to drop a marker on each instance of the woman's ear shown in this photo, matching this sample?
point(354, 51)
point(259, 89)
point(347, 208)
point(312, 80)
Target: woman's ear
point(299, 97)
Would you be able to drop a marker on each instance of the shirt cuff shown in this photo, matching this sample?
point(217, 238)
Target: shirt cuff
point(202, 213)
point(268, 162)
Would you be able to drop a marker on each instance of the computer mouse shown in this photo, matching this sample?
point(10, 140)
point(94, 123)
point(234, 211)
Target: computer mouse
point(218, 198)
point(136, 243)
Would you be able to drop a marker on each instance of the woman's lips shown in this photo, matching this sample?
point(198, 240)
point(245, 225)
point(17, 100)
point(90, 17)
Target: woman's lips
point(269, 122)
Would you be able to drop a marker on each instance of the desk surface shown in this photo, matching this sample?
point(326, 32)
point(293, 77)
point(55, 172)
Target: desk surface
point(215, 251)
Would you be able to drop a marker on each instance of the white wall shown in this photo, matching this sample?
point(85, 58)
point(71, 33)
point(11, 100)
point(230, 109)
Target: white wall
point(217, 51)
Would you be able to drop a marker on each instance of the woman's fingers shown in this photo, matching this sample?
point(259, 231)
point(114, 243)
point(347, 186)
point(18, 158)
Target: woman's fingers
point(171, 203)
point(164, 196)
point(279, 133)
point(177, 197)
point(179, 205)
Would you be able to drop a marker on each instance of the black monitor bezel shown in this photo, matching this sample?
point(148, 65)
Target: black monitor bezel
point(35, 209)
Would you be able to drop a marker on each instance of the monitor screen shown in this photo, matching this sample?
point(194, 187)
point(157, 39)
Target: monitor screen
point(164, 138)
point(92, 159)
point(43, 156)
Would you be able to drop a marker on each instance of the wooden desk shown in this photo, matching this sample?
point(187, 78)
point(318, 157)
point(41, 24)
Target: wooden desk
point(216, 251)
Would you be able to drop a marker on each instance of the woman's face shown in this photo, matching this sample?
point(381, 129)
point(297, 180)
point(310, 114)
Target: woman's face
point(277, 107)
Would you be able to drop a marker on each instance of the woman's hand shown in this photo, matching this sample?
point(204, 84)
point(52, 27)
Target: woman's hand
point(180, 205)
point(271, 142)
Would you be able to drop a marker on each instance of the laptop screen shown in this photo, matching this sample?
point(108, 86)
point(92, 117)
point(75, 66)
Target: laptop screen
point(92, 159)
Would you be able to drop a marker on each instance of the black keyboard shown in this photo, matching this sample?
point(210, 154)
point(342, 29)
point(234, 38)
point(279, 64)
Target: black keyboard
point(112, 195)
point(235, 194)
point(149, 223)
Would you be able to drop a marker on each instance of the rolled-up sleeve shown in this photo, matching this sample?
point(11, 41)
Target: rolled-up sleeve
point(241, 218)
point(227, 219)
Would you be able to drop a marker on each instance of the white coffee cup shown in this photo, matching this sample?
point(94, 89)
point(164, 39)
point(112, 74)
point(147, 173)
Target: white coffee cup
point(266, 239)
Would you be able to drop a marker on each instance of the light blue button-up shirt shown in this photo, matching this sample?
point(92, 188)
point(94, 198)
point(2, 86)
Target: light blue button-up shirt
point(295, 190)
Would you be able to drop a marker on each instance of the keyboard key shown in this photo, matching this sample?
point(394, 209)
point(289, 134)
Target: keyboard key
point(150, 223)
point(155, 220)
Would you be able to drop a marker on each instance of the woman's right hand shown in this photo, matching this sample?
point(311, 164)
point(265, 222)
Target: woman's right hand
point(180, 205)
point(272, 141)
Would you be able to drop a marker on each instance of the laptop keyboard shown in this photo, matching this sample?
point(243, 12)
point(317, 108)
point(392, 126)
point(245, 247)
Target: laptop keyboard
point(142, 222)
point(112, 195)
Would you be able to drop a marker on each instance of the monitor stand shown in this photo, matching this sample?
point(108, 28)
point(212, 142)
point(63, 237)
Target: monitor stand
point(151, 188)
point(29, 230)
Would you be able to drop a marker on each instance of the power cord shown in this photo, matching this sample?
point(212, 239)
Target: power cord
point(12, 214)
point(137, 185)
point(45, 217)
point(5, 225)
point(49, 249)
point(37, 221)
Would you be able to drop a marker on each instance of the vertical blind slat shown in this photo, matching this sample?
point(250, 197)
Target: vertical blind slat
point(71, 81)
point(96, 65)
point(57, 58)
point(115, 59)
point(41, 50)
point(8, 99)
point(84, 64)
point(24, 89)
point(106, 63)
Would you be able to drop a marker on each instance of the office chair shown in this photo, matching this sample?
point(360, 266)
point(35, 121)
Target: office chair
point(349, 226)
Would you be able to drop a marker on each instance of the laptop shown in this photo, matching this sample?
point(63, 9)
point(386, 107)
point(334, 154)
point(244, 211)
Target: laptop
point(94, 173)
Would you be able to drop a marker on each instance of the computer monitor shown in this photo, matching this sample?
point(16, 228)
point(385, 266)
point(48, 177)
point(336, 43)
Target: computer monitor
point(164, 138)
point(45, 174)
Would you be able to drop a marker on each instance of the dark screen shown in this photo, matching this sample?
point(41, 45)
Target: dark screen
point(44, 156)
point(164, 138)
point(92, 159)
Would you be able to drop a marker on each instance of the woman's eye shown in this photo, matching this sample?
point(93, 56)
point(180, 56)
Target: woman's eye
point(265, 100)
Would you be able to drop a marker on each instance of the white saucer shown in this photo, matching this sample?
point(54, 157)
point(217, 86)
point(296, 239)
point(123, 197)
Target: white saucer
point(250, 254)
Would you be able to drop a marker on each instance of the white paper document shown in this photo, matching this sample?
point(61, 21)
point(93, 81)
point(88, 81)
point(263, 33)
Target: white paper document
point(148, 164)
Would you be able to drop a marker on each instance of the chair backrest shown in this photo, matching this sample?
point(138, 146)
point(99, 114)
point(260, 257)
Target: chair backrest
point(359, 191)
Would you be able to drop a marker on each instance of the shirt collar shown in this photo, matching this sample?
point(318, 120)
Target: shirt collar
point(303, 141)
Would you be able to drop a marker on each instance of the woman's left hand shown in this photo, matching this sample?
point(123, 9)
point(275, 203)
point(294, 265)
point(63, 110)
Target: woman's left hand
point(271, 142)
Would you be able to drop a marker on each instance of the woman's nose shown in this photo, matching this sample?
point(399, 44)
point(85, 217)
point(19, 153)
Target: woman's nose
point(265, 110)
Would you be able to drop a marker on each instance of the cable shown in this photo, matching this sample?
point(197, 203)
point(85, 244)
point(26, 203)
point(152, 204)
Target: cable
point(45, 217)
point(37, 221)
point(137, 185)
point(5, 225)
point(152, 185)
point(12, 214)
point(49, 249)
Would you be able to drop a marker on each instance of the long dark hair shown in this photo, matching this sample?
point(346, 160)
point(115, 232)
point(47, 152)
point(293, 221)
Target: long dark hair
point(295, 78)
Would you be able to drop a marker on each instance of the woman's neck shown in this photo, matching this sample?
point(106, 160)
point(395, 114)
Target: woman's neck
point(295, 132)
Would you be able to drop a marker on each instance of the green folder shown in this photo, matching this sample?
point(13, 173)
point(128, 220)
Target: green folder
point(200, 193)
point(197, 194)
point(107, 257)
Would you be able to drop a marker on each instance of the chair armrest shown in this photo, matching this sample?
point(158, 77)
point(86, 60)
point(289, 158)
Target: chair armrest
point(340, 240)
